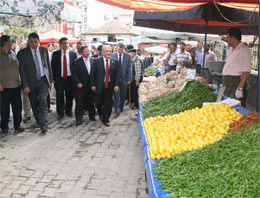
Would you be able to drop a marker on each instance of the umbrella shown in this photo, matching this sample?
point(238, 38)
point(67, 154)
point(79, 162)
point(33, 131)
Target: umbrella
point(32, 13)
point(54, 37)
point(206, 20)
point(156, 50)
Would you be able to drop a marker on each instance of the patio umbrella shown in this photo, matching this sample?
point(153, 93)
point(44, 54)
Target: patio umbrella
point(31, 13)
point(54, 37)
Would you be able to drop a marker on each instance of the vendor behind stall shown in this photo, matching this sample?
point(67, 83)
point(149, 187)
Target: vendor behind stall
point(237, 68)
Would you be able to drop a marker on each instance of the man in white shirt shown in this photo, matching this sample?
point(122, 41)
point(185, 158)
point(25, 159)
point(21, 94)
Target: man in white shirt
point(81, 69)
point(237, 69)
point(171, 56)
point(61, 67)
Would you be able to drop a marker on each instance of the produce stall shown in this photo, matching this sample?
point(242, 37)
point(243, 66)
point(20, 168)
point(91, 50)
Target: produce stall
point(152, 155)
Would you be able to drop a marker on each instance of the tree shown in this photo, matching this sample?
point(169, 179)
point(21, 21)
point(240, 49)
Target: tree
point(18, 33)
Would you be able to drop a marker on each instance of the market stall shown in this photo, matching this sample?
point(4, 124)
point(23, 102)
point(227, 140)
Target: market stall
point(146, 112)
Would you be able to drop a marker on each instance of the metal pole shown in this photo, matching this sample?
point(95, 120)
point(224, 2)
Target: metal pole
point(205, 45)
point(258, 94)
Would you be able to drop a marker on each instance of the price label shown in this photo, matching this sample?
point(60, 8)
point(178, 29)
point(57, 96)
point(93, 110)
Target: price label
point(191, 73)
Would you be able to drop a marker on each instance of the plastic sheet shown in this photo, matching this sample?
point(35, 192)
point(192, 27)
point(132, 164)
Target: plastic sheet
point(153, 184)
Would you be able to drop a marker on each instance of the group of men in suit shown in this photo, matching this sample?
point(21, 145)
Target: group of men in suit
point(92, 81)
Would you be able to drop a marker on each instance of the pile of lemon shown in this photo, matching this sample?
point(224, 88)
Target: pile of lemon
point(189, 130)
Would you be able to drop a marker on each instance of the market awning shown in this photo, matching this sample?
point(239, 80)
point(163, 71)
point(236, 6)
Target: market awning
point(179, 5)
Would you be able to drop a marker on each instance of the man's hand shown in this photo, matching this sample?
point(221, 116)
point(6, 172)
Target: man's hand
point(239, 93)
point(137, 83)
point(116, 88)
point(1, 88)
point(129, 82)
point(79, 85)
point(26, 90)
point(93, 88)
point(50, 85)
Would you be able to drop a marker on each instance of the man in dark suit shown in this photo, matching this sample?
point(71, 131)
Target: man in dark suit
point(61, 63)
point(104, 78)
point(125, 77)
point(36, 76)
point(81, 69)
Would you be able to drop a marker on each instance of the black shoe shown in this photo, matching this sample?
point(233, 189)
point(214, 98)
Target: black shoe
point(19, 130)
point(44, 130)
point(49, 110)
point(69, 114)
point(117, 113)
point(60, 117)
point(78, 122)
point(26, 119)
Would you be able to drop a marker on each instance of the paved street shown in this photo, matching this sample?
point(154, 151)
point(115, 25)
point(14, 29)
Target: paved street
point(87, 161)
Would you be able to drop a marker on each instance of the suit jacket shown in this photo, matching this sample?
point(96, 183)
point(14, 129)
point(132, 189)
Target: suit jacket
point(56, 63)
point(27, 67)
point(97, 74)
point(80, 72)
point(126, 67)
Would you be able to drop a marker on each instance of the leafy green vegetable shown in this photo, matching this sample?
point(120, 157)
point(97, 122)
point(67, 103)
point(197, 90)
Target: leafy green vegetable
point(150, 71)
point(228, 168)
point(193, 95)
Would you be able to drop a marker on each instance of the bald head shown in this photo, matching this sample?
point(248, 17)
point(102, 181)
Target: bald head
point(107, 51)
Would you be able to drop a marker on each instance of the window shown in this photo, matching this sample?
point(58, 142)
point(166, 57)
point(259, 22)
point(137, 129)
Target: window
point(85, 9)
point(94, 39)
point(85, 19)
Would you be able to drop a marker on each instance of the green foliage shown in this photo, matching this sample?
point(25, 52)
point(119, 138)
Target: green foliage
point(16, 32)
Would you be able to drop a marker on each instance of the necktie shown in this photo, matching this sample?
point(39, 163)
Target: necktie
point(37, 64)
point(120, 61)
point(107, 75)
point(65, 73)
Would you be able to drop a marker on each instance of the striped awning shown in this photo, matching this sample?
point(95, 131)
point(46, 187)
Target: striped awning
point(179, 5)
point(151, 5)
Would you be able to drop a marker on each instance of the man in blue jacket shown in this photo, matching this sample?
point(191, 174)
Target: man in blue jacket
point(125, 77)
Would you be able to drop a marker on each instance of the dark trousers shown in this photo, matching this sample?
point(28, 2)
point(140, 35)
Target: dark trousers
point(38, 100)
point(84, 100)
point(120, 97)
point(11, 96)
point(64, 88)
point(134, 93)
point(104, 103)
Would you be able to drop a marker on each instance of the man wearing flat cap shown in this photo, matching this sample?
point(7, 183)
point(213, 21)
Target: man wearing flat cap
point(137, 76)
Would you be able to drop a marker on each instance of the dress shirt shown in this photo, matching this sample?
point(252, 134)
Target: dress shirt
point(209, 57)
point(238, 61)
point(39, 58)
point(87, 63)
point(198, 55)
point(68, 62)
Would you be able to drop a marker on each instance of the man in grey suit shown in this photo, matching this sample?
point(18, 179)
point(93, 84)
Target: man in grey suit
point(36, 76)
point(125, 76)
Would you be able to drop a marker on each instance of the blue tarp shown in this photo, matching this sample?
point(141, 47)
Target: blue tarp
point(153, 184)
